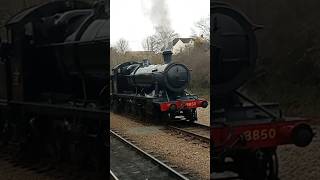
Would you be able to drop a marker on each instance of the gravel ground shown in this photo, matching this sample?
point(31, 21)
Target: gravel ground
point(188, 155)
point(300, 163)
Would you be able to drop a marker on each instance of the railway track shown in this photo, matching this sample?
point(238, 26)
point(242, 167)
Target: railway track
point(195, 130)
point(127, 161)
point(14, 167)
point(112, 176)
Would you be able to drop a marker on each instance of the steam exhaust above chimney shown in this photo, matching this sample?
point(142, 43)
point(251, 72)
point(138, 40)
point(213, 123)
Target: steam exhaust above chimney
point(167, 56)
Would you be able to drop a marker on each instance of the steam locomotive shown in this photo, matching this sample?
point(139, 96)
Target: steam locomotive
point(245, 134)
point(155, 90)
point(53, 81)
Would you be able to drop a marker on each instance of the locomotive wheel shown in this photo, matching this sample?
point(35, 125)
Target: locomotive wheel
point(140, 112)
point(113, 106)
point(157, 115)
point(6, 132)
point(127, 108)
point(133, 109)
point(261, 164)
point(2, 122)
point(33, 142)
point(191, 115)
point(170, 116)
point(116, 106)
point(3, 129)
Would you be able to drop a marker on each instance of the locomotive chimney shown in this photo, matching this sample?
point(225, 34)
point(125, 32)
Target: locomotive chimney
point(145, 62)
point(167, 56)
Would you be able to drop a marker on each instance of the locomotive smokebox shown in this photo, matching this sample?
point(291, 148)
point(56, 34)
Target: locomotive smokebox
point(167, 56)
point(234, 49)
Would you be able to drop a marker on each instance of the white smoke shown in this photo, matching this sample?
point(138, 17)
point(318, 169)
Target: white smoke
point(158, 12)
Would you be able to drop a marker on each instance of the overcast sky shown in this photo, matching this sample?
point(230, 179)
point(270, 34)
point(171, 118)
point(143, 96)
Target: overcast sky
point(131, 19)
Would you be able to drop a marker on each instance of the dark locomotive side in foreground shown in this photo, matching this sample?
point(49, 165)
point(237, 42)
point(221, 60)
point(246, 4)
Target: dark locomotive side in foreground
point(53, 82)
point(157, 90)
point(245, 134)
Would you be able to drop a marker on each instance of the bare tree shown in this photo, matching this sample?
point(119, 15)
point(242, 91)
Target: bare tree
point(122, 46)
point(150, 44)
point(203, 27)
point(163, 38)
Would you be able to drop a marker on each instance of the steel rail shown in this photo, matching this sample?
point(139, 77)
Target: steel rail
point(160, 164)
point(112, 176)
point(196, 135)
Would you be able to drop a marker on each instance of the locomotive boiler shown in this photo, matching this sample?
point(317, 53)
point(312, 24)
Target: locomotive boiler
point(57, 40)
point(53, 81)
point(158, 89)
point(245, 134)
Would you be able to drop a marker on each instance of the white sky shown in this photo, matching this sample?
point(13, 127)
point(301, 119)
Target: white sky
point(128, 19)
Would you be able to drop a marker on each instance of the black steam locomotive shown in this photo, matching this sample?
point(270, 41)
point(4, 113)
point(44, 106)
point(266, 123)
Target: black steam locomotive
point(245, 134)
point(158, 90)
point(53, 77)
